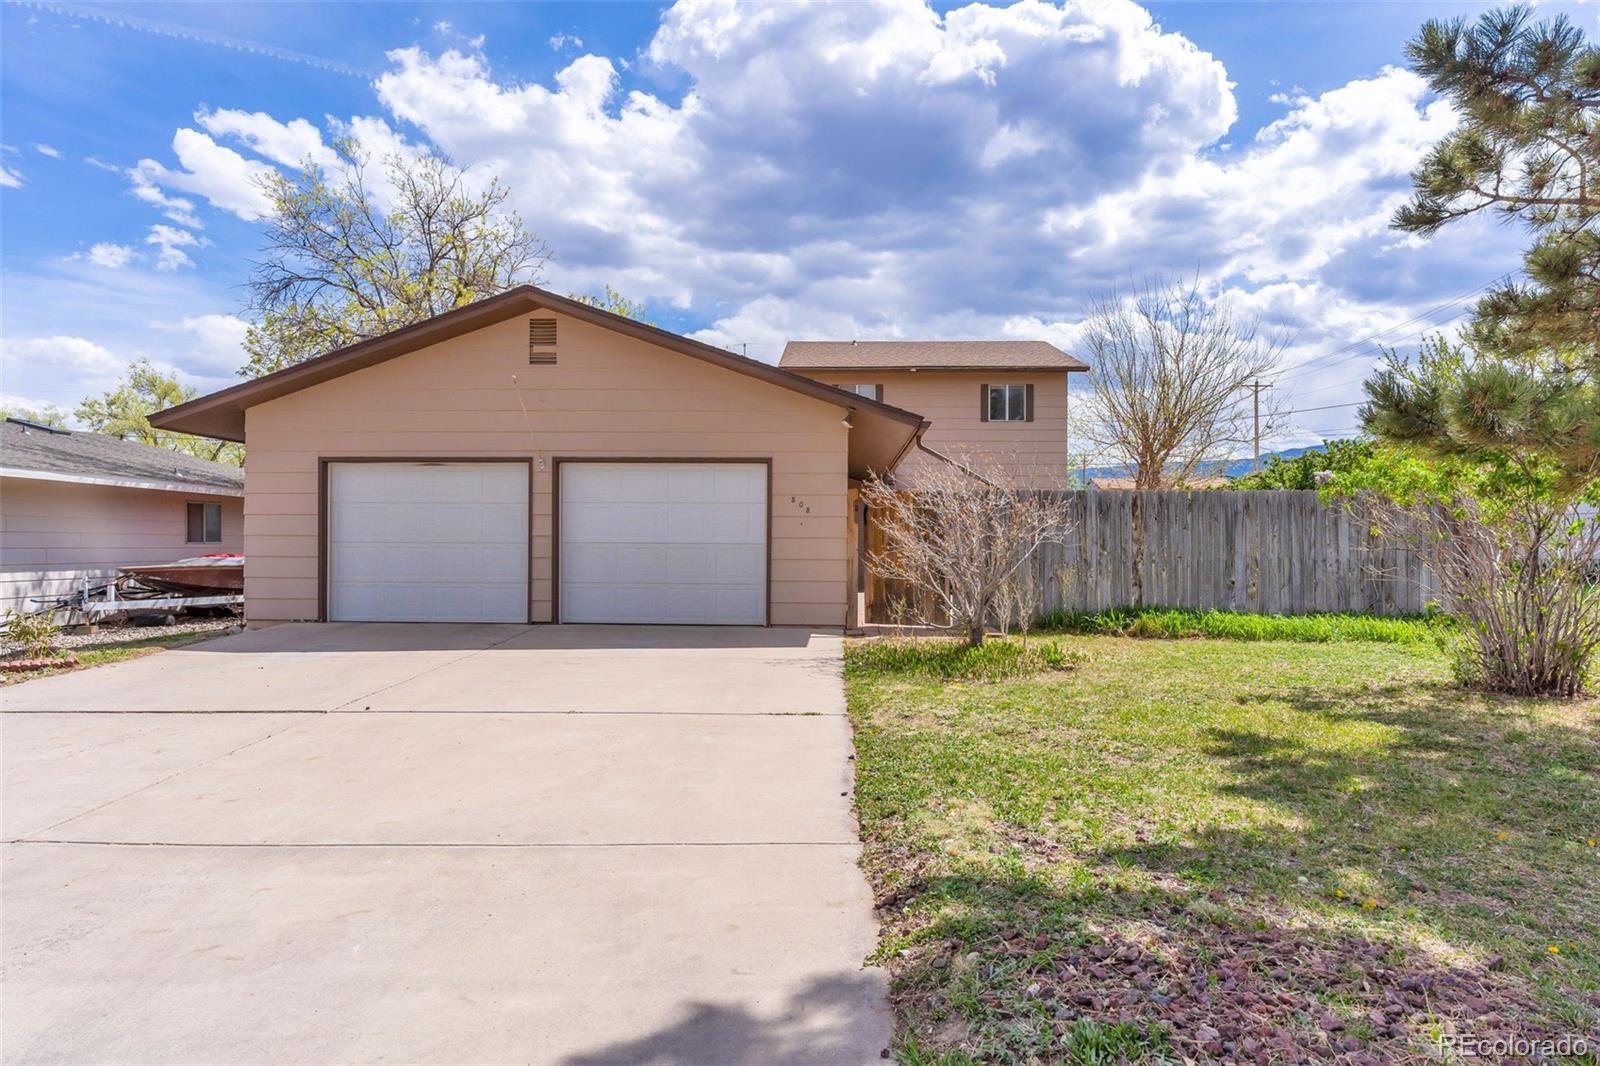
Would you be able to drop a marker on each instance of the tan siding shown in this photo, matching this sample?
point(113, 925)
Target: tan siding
point(54, 533)
point(608, 396)
point(1035, 452)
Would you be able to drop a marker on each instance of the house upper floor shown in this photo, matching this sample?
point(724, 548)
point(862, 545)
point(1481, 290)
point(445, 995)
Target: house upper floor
point(1003, 401)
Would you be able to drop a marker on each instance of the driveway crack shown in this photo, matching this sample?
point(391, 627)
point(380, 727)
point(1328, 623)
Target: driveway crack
point(159, 781)
point(431, 669)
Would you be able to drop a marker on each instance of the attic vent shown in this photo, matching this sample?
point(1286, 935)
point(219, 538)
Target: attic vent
point(541, 341)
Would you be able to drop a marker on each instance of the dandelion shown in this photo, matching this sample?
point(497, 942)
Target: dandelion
point(1339, 892)
point(1370, 904)
point(1554, 949)
point(1502, 836)
point(1591, 842)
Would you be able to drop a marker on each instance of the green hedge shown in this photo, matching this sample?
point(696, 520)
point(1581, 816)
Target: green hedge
point(1174, 623)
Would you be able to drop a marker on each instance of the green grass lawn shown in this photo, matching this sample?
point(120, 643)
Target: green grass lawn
point(1215, 849)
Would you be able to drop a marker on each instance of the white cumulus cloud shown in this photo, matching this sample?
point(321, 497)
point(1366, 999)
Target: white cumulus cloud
point(212, 345)
point(886, 169)
point(170, 243)
point(110, 255)
point(219, 175)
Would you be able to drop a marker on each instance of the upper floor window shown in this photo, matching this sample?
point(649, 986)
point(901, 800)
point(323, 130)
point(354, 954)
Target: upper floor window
point(1008, 403)
point(205, 523)
point(871, 392)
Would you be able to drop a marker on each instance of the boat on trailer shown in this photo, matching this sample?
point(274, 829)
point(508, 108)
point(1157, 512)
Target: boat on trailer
point(203, 575)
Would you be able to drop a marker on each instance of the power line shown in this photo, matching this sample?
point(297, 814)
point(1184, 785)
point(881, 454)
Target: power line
point(1300, 369)
point(1329, 407)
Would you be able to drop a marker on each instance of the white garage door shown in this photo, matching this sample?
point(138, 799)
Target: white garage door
point(428, 542)
point(664, 542)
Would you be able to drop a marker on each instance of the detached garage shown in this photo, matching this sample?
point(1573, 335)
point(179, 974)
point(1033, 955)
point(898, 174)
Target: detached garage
point(529, 458)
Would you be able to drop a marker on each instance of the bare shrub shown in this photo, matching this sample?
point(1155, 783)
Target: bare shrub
point(1522, 583)
point(959, 533)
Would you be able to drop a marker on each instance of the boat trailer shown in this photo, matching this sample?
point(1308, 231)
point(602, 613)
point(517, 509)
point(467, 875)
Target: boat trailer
point(126, 593)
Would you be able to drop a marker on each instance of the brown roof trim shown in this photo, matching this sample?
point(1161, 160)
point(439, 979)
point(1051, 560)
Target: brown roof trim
point(221, 414)
point(935, 368)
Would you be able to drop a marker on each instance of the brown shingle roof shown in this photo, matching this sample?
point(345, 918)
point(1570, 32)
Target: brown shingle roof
point(931, 355)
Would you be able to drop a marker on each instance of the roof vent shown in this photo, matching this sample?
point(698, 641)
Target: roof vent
point(541, 341)
point(27, 424)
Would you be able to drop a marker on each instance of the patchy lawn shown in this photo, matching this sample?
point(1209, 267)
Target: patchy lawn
point(100, 655)
point(1213, 849)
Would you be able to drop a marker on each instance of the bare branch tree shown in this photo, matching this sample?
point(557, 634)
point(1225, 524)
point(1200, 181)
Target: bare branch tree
point(1170, 368)
point(1522, 582)
point(959, 533)
point(349, 254)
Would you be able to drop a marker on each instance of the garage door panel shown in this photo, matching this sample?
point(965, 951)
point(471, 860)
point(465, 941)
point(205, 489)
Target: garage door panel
point(663, 542)
point(435, 542)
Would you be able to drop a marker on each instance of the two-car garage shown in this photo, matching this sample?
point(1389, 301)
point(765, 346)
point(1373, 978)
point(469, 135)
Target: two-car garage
point(671, 541)
point(530, 458)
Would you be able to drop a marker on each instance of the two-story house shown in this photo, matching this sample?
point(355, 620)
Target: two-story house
point(1005, 401)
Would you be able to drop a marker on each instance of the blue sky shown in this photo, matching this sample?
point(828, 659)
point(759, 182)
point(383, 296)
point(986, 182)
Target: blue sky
point(754, 173)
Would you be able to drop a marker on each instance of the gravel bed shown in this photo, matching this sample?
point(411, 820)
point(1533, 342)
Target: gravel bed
point(122, 633)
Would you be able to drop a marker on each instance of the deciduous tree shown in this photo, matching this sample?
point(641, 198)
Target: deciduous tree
point(125, 411)
point(1170, 368)
point(350, 254)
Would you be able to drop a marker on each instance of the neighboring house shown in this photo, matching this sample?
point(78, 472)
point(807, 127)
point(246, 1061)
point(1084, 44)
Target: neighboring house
point(76, 505)
point(1005, 401)
point(1128, 484)
point(531, 458)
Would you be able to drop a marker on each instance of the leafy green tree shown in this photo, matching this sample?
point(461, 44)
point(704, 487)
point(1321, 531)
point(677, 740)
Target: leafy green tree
point(125, 411)
point(54, 417)
point(344, 261)
point(613, 301)
point(1300, 472)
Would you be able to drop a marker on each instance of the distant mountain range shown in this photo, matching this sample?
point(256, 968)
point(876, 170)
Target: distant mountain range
point(1231, 468)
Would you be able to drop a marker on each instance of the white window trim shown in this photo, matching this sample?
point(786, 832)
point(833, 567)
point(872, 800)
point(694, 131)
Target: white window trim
point(1016, 403)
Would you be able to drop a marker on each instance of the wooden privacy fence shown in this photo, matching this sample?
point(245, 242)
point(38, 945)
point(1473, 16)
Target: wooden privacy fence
point(1266, 551)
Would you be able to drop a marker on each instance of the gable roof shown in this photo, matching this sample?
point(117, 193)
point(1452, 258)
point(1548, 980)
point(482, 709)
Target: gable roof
point(880, 433)
point(927, 355)
point(45, 453)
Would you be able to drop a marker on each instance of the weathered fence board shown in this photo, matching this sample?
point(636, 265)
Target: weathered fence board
point(1264, 551)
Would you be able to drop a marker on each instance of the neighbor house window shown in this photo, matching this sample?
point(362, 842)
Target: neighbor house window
point(871, 392)
point(1006, 403)
point(205, 523)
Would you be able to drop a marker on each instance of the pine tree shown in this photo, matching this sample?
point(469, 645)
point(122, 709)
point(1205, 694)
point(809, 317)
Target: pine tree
point(1528, 149)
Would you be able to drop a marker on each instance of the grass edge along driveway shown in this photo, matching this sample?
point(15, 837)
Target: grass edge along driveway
point(1150, 850)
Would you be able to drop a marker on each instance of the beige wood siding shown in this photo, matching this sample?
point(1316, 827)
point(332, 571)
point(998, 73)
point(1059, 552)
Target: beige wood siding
point(1035, 452)
point(607, 396)
point(54, 533)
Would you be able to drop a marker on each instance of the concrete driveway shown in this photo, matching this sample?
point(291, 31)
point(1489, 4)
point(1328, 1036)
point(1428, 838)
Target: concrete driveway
point(411, 843)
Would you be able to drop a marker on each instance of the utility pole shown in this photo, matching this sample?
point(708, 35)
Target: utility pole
point(1255, 388)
